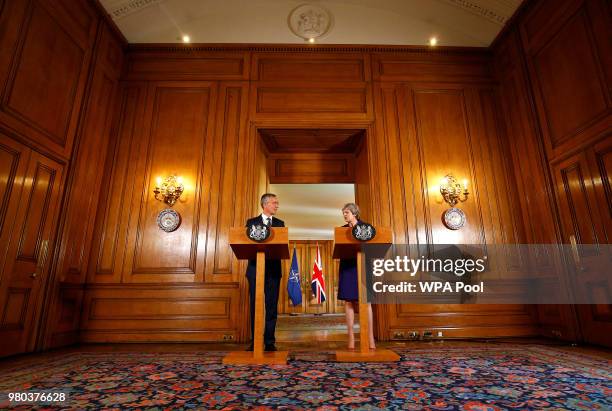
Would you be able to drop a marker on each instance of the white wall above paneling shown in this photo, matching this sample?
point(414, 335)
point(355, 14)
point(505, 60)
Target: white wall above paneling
point(386, 22)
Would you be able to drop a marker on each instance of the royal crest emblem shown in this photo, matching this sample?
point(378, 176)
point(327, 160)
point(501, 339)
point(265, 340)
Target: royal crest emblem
point(258, 232)
point(309, 21)
point(363, 231)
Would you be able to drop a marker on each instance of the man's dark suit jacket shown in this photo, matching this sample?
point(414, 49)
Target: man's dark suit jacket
point(273, 267)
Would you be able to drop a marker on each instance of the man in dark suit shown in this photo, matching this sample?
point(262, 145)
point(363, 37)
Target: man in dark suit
point(269, 205)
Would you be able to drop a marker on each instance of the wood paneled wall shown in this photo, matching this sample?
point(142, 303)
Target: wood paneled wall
point(59, 69)
point(527, 123)
point(426, 130)
point(424, 114)
point(554, 64)
point(41, 102)
point(81, 203)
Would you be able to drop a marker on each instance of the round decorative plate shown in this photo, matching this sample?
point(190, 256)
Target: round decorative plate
point(309, 21)
point(363, 231)
point(168, 220)
point(453, 218)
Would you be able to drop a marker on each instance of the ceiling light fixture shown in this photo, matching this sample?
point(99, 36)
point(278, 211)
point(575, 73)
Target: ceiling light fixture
point(311, 40)
point(186, 39)
point(433, 41)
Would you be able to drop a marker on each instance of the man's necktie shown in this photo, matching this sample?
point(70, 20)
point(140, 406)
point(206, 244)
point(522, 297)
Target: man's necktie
point(268, 222)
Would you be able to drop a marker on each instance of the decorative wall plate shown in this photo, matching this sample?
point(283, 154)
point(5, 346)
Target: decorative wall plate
point(258, 232)
point(168, 220)
point(309, 21)
point(453, 218)
point(363, 231)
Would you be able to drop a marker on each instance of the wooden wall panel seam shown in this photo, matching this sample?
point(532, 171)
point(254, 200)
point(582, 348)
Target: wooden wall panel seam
point(605, 182)
point(491, 182)
point(475, 130)
point(111, 181)
point(137, 200)
point(422, 170)
point(10, 183)
point(45, 208)
point(572, 208)
point(475, 191)
point(535, 124)
point(234, 161)
point(401, 182)
point(76, 175)
point(384, 214)
point(510, 182)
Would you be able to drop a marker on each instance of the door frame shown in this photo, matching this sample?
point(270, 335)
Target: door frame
point(380, 311)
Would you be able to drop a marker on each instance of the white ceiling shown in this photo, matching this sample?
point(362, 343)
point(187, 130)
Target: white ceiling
point(311, 211)
point(394, 22)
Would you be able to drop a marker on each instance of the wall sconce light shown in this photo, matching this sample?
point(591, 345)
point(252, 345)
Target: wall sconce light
point(453, 191)
point(169, 190)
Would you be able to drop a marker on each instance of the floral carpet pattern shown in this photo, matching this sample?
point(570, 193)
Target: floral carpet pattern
point(501, 377)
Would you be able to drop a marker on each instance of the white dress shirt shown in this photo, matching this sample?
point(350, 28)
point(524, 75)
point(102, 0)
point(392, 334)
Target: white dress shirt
point(265, 219)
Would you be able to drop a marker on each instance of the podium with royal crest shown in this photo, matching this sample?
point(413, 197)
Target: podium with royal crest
point(348, 244)
point(259, 243)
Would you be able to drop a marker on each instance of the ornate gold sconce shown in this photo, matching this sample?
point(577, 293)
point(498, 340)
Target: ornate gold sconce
point(453, 191)
point(169, 190)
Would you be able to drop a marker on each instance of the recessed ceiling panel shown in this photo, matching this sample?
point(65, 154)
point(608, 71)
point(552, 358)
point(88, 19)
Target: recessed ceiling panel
point(311, 140)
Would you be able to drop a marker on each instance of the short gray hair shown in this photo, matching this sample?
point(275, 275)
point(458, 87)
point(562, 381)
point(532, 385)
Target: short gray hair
point(265, 197)
point(353, 208)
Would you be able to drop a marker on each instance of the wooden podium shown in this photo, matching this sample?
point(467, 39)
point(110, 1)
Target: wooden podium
point(276, 247)
point(345, 246)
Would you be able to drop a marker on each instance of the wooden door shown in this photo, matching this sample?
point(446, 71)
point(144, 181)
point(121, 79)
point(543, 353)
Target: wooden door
point(29, 224)
point(583, 187)
point(306, 252)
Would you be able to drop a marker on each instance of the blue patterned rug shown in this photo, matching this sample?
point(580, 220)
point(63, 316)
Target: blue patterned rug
point(498, 377)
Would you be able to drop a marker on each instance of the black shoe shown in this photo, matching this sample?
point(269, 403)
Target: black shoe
point(250, 348)
point(270, 347)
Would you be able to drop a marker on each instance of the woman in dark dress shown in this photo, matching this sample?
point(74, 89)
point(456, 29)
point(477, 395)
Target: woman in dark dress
point(347, 283)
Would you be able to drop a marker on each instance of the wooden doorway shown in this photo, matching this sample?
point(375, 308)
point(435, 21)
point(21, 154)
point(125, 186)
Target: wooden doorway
point(335, 155)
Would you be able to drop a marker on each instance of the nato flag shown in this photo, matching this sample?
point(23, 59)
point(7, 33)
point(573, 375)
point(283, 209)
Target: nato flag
point(294, 288)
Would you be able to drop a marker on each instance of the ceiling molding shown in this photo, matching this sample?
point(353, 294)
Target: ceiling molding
point(123, 8)
point(498, 15)
point(297, 48)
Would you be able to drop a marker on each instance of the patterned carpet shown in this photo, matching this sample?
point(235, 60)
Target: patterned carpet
point(487, 377)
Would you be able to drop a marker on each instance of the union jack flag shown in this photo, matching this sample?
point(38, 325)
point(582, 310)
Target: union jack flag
point(318, 281)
